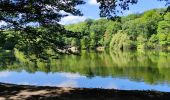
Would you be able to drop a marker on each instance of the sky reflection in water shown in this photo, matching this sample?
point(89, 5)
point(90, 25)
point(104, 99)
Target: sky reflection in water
point(76, 80)
point(126, 71)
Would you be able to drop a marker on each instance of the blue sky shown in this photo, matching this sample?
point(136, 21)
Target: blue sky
point(91, 10)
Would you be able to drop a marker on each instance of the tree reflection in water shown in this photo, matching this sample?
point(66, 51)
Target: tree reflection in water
point(151, 66)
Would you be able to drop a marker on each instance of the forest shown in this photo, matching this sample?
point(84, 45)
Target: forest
point(139, 31)
point(147, 30)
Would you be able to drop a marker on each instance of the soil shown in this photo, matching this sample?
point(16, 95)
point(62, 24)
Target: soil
point(25, 92)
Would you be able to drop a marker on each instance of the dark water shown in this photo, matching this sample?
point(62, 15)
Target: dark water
point(120, 70)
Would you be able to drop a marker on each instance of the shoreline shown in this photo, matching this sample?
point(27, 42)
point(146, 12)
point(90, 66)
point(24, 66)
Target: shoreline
point(20, 92)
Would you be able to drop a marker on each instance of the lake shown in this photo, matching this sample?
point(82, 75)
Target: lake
point(149, 70)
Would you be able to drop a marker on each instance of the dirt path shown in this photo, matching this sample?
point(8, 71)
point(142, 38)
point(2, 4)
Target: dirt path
point(21, 92)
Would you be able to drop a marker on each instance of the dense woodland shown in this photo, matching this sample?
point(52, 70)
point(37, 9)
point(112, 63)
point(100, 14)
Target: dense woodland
point(147, 30)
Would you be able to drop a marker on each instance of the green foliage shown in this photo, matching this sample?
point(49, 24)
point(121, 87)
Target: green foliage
point(46, 14)
point(2, 39)
point(121, 41)
point(82, 29)
point(164, 31)
point(141, 42)
point(146, 25)
point(97, 30)
point(148, 30)
point(21, 15)
point(30, 11)
point(131, 28)
point(167, 17)
point(130, 17)
point(153, 42)
point(112, 28)
point(8, 39)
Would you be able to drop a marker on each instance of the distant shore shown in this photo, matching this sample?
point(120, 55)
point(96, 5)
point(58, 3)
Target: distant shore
point(22, 92)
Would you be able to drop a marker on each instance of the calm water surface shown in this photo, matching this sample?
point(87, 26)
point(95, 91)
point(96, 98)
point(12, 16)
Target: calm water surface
point(119, 70)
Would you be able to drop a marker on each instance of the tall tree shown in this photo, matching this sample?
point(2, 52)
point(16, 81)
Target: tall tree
point(19, 13)
point(164, 31)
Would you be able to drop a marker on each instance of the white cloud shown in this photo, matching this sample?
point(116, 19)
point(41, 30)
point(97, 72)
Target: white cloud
point(71, 75)
point(92, 2)
point(64, 13)
point(68, 83)
point(26, 83)
point(4, 74)
point(2, 23)
point(111, 86)
point(72, 19)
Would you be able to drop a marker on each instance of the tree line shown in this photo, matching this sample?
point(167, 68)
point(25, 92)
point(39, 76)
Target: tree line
point(20, 14)
point(148, 30)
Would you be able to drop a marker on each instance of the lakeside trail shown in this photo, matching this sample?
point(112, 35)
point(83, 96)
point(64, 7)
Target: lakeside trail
point(24, 92)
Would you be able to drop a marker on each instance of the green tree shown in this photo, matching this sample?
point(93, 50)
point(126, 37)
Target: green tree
point(130, 17)
point(121, 41)
point(111, 29)
point(146, 25)
point(164, 31)
point(141, 42)
point(151, 19)
point(20, 15)
point(97, 30)
point(2, 39)
point(82, 29)
point(153, 42)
